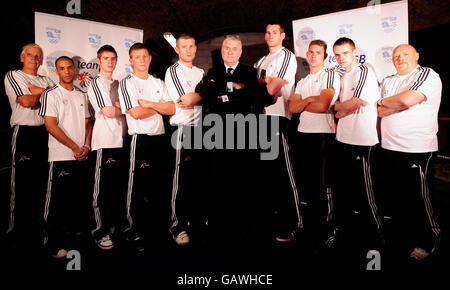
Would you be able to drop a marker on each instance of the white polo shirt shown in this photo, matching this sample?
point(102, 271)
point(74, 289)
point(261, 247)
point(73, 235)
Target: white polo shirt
point(359, 128)
point(16, 85)
point(131, 89)
point(413, 130)
point(70, 109)
point(181, 80)
point(312, 85)
point(280, 64)
point(107, 132)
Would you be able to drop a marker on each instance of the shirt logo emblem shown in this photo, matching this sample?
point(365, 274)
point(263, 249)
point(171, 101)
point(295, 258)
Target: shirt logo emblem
point(143, 165)
point(63, 173)
point(109, 160)
point(24, 158)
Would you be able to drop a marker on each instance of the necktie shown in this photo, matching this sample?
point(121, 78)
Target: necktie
point(230, 70)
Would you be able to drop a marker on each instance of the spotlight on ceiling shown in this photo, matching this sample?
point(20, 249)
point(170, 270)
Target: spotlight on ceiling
point(170, 38)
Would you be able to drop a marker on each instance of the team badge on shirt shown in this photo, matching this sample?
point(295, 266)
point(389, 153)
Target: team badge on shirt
point(340, 70)
point(85, 79)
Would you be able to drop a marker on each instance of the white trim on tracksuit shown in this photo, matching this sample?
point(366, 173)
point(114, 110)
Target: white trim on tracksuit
point(12, 202)
point(369, 190)
point(97, 215)
point(292, 179)
point(175, 178)
point(48, 197)
point(429, 209)
point(130, 180)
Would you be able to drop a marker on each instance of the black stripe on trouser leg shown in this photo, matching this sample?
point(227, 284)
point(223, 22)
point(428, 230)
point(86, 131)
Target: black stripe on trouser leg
point(130, 180)
point(97, 215)
point(428, 207)
point(13, 179)
point(175, 178)
point(292, 180)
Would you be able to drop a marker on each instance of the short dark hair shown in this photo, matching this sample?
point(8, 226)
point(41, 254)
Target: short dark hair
point(320, 43)
point(279, 25)
point(104, 48)
point(64, 58)
point(344, 40)
point(137, 46)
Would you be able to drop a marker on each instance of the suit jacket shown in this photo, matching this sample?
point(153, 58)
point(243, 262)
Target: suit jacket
point(244, 100)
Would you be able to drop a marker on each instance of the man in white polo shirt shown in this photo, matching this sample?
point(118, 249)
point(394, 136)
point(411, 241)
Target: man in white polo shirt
point(66, 116)
point(181, 79)
point(29, 148)
point(147, 146)
point(313, 98)
point(277, 72)
point(110, 183)
point(409, 110)
point(356, 139)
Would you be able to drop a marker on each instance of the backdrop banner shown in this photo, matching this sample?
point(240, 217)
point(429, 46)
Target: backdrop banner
point(80, 39)
point(375, 29)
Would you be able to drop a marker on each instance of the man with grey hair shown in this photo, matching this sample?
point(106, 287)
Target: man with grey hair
point(29, 146)
point(229, 89)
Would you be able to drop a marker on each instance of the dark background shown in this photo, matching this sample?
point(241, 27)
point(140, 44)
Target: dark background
point(428, 31)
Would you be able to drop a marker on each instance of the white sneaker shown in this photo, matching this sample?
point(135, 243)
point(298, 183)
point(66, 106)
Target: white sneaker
point(419, 254)
point(182, 238)
point(105, 243)
point(61, 254)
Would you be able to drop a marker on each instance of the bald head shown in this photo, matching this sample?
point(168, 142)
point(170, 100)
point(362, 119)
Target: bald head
point(405, 58)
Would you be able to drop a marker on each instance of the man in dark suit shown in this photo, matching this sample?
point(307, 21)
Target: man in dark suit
point(228, 90)
point(230, 87)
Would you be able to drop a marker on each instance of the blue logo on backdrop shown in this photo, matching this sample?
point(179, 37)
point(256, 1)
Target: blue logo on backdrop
point(389, 23)
point(306, 34)
point(345, 29)
point(50, 62)
point(95, 40)
point(386, 53)
point(53, 34)
point(128, 68)
point(129, 43)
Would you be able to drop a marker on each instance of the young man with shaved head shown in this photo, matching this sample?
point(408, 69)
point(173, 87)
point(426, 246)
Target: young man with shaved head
point(143, 100)
point(68, 122)
point(107, 141)
point(313, 98)
point(187, 199)
point(277, 72)
point(409, 109)
point(355, 204)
